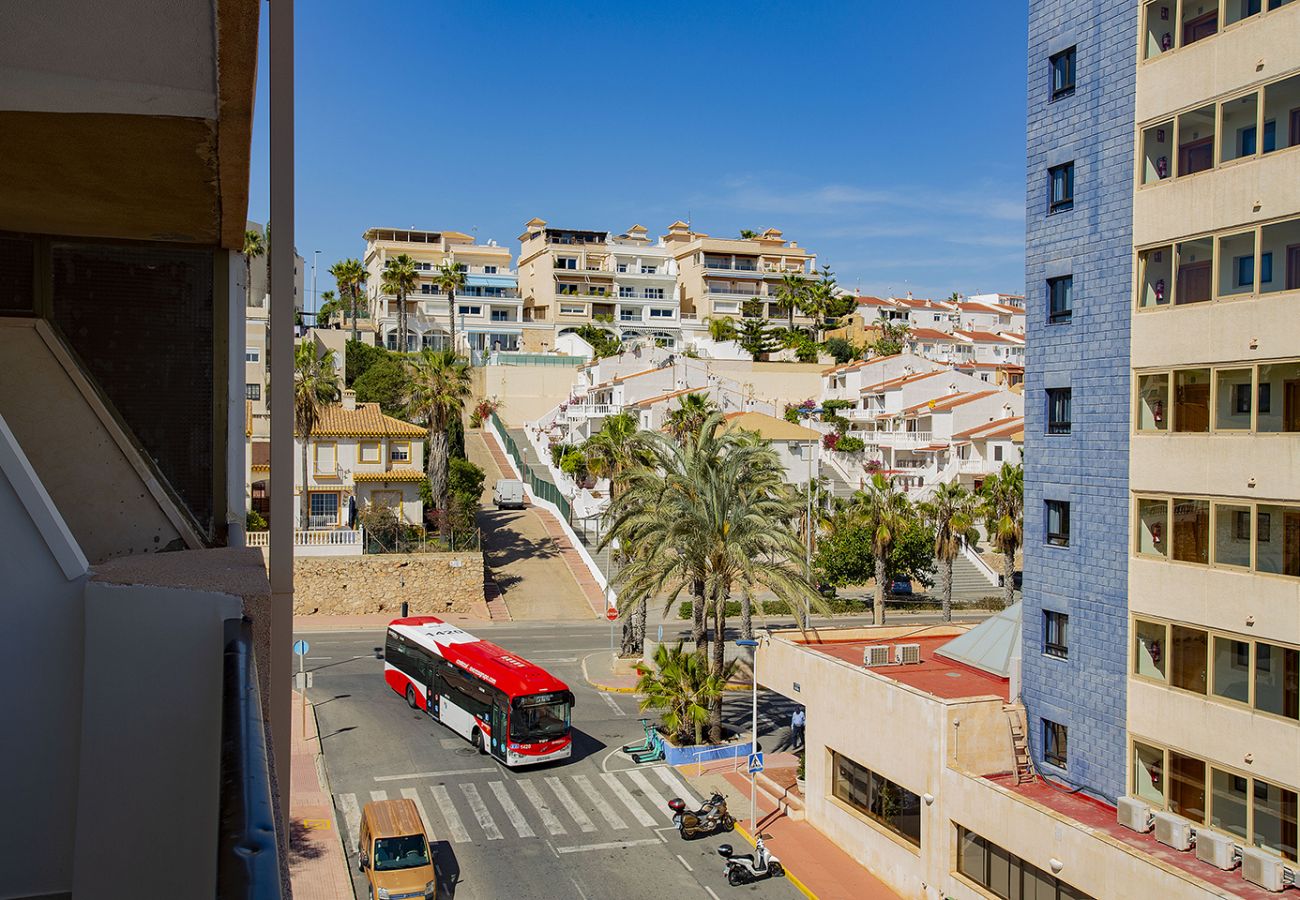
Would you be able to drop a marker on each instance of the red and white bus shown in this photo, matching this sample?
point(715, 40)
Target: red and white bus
point(502, 703)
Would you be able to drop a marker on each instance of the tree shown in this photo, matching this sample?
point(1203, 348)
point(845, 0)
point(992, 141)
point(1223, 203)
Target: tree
point(845, 554)
point(748, 234)
point(602, 342)
point(817, 300)
point(315, 386)
point(1004, 520)
point(385, 383)
point(722, 328)
point(350, 275)
point(791, 293)
point(359, 357)
point(842, 350)
point(330, 304)
point(892, 339)
point(951, 512)
point(439, 384)
point(692, 411)
point(755, 339)
point(450, 277)
point(884, 511)
point(681, 685)
point(614, 449)
point(254, 246)
point(399, 279)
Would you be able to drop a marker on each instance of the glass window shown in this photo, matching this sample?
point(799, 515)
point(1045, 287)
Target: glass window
point(893, 806)
point(1149, 651)
point(1152, 527)
point(1060, 299)
point(1236, 10)
point(1277, 680)
point(1061, 187)
point(1156, 280)
point(1228, 800)
point(252, 391)
point(1056, 739)
point(1058, 522)
point(1232, 399)
point(1278, 396)
point(1153, 402)
point(400, 452)
point(1277, 540)
point(1279, 242)
point(1063, 73)
point(1158, 33)
point(324, 509)
point(1187, 786)
point(1196, 141)
point(1157, 144)
point(1232, 669)
point(1195, 266)
point(1187, 660)
point(1237, 264)
point(1191, 524)
point(1058, 410)
point(1239, 125)
point(1192, 400)
point(1275, 819)
point(1199, 21)
point(1280, 103)
point(1231, 535)
point(1056, 634)
point(1149, 774)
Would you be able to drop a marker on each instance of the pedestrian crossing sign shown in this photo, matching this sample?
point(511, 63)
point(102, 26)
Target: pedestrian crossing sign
point(755, 763)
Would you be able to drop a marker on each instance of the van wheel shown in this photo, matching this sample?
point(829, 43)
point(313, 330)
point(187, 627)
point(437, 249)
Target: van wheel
point(477, 741)
point(410, 697)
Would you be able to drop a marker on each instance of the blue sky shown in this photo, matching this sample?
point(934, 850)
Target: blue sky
point(888, 138)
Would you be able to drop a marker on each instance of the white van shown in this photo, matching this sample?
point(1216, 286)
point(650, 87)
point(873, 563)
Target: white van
point(508, 494)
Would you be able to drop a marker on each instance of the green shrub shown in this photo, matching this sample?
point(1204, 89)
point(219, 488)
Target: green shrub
point(254, 521)
point(850, 444)
point(781, 608)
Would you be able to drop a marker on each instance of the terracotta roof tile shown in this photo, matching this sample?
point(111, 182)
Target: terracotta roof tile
point(941, 404)
point(364, 421)
point(1016, 422)
point(901, 380)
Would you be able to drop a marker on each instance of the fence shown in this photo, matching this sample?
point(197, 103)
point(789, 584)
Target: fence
point(541, 488)
point(533, 359)
point(414, 539)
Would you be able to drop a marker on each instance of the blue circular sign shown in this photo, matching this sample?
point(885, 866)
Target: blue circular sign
point(301, 647)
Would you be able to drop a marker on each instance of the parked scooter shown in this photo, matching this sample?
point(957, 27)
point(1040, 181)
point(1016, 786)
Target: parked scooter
point(710, 818)
point(758, 866)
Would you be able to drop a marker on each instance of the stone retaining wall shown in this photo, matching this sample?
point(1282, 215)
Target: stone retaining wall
point(432, 583)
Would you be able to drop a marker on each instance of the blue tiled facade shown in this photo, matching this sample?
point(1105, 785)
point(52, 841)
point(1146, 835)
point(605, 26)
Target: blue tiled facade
point(1092, 242)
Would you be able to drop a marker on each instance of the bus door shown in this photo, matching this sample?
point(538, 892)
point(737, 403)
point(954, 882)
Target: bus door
point(499, 731)
point(431, 690)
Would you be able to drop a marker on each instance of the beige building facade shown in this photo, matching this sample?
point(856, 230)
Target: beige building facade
point(716, 276)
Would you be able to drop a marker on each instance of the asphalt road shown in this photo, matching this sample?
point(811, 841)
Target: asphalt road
point(594, 826)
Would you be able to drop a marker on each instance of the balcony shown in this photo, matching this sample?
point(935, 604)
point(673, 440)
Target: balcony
point(577, 412)
point(719, 265)
point(325, 540)
point(899, 438)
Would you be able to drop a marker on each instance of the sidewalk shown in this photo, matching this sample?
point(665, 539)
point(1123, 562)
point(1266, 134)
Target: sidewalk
point(374, 622)
point(813, 863)
point(318, 868)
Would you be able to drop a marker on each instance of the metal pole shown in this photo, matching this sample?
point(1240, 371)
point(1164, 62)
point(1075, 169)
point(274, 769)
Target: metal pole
point(753, 746)
point(315, 303)
point(280, 25)
point(302, 688)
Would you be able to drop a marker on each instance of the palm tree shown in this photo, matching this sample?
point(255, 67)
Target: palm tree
point(254, 246)
point(722, 328)
point(399, 278)
point(951, 512)
point(329, 306)
point(450, 277)
point(818, 299)
point(350, 275)
point(682, 686)
point(748, 234)
point(884, 511)
point(790, 294)
point(315, 386)
point(439, 384)
point(614, 449)
point(692, 411)
point(1004, 520)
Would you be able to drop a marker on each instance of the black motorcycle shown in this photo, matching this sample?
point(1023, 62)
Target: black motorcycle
point(710, 818)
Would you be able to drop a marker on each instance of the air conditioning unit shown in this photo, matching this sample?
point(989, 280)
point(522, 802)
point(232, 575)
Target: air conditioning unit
point(877, 655)
point(1133, 813)
point(1263, 869)
point(1219, 850)
point(907, 654)
point(1174, 831)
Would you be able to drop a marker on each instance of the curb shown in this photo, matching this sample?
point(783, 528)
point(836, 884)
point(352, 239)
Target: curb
point(609, 689)
point(790, 876)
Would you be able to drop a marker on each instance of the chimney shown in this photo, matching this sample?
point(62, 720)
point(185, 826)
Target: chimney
point(349, 399)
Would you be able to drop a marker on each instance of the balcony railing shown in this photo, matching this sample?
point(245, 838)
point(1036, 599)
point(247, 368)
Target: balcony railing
point(724, 266)
point(899, 438)
point(576, 412)
point(328, 536)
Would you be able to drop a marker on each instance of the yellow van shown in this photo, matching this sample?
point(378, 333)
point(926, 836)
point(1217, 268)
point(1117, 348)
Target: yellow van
point(394, 854)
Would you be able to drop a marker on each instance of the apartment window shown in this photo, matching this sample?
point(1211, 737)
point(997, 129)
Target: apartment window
point(649, 270)
point(1272, 547)
point(891, 805)
point(621, 268)
point(997, 449)
point(489, 270)
point(1061, 187)
point(1058, 522)
point(1056, 634)
point(1229, 801)
point(1005, 875)
point(660, 313)
point(570, 310)
point(427, 289)
point(1191, 526)
point(1192, 401)
point(1149, 773)
point(1058, 410)
point(1063, 73)
point(626, 291)
point(1149, 657)
point(1275, 819)
point(500, 315)
point(399, 451)
point(1056, 743)
point(1277, 680)
point(325, 459)
point(324, 509)
point(471, 310)
point(1060, 299)
point(566, 262)
point(1196, 133)
point(1231, 669)
point(1188, 655)
point(1232, 535)
point(566, 290)
point(654, 293)
point(370, 451)
point(252, 355)
point(1186, 786)
point(252, 391)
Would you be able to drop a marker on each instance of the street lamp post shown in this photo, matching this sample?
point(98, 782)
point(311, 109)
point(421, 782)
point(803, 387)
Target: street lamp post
point(753, 740)
point(314, 301)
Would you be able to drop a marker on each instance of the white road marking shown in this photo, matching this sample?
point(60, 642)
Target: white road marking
point(570, 805)
point(546, 658)
point(578, 887)
point(618, 710)
point(681, 859)
point(610, 845)
point(629, 801)
point(454, 824)
point(480, 810)
point(448, 774)
point(351, 816)
point(711, 894)
point(310, 658)
point(676, 785)
point(512, 812)
point(378, 795)
point(602, 805)
point(649, 790)
point(549, 819)
point(413, 795)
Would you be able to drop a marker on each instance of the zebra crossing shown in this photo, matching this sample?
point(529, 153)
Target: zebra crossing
point(528, 807)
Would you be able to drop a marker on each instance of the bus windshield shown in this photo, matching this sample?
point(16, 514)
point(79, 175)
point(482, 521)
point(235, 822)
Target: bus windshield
point(539, 718)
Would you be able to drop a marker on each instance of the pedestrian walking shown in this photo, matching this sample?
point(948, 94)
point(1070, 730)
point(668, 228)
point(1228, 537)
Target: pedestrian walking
point(797, 723)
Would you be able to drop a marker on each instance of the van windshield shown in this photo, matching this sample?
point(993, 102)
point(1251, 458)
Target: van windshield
point(406, 852)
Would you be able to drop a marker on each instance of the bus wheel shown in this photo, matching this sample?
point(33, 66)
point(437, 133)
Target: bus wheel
point(478, 741)
point(410, 697)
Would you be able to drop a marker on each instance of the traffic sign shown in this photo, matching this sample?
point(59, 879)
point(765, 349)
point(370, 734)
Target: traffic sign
point(755, 763)
point(301, 647)
point(660, 639)
point(611, 613)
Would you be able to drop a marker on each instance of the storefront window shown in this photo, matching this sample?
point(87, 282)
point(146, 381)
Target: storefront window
point(890, 804)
